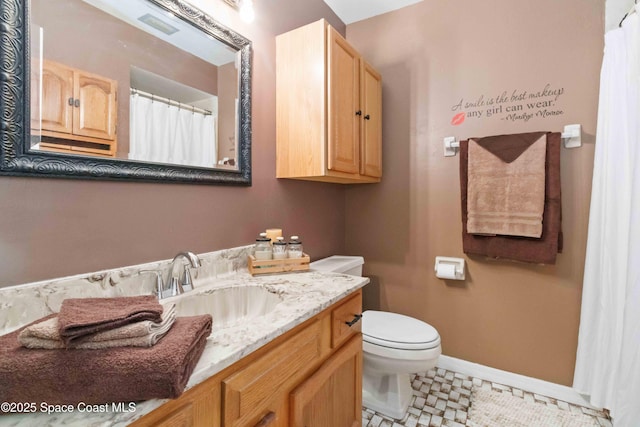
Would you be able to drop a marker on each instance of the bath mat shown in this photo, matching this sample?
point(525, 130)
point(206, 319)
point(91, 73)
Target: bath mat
point(490, 408)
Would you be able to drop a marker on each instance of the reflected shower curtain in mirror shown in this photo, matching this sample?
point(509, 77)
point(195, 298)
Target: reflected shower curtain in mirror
point(608, 357)
point(163, 133)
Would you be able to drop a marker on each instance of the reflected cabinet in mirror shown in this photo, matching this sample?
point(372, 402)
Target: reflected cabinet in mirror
point(130, 90)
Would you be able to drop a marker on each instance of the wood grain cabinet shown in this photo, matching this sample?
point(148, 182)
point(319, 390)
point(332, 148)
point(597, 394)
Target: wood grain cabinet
point(310, 376)
point(328, 108)
point(78, 110)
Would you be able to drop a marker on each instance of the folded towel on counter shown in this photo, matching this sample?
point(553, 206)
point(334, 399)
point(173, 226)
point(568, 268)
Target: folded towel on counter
point(140, 334)
point(81, 317)
point(542, 250)
point(506, 178)
point(123, 374)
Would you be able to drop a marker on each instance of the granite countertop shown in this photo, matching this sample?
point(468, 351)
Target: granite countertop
point(302, 296)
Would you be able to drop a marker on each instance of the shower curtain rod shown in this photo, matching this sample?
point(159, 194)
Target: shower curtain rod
point(631, 11)
point(168, 101)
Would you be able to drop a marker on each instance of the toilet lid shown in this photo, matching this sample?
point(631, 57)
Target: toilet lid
point(398, 331)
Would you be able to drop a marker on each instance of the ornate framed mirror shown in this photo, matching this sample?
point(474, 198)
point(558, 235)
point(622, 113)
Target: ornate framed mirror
point(142, 90)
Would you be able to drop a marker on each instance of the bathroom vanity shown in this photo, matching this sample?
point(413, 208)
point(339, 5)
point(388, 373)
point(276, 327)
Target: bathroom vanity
point(308, 376)
point(284, 350)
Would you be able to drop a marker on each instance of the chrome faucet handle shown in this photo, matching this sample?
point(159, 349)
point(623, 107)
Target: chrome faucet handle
point(187, 282)
point(159, 283)
point(175, 287)
point(193, 261)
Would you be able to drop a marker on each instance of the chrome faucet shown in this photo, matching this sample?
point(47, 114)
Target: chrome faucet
point(176, 286)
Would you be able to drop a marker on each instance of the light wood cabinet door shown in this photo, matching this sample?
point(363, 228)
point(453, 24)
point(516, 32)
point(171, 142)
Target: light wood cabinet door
point(344, 105)
point(57, 98)
point(253, 393)
point(332, 396)
point(94, 110)
point(371, 141)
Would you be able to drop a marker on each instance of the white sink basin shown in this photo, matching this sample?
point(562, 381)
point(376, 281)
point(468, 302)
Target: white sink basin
point(228, 306)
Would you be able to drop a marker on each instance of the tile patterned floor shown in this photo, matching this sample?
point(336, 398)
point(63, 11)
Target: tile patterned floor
point(442, 398)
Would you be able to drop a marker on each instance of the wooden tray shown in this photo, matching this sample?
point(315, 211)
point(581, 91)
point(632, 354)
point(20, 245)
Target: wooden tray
point(286, 265)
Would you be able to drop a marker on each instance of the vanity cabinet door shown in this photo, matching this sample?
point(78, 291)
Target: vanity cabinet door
point(332, 396)
point(252, 394)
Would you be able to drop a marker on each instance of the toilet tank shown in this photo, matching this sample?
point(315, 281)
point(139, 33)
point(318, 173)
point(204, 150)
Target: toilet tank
point(351, 265)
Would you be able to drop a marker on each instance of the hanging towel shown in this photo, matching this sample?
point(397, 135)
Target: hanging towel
point(82, 317)
point(140, 334)
point(506, 177)
point(124, 374)
point(540, 251)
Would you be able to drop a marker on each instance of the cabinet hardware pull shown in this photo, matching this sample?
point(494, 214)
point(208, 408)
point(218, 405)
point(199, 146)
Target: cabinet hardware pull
point(355, 320)
point(77, 103)
point(367, 117)
point(359, 113)
point(267, 419)
point(71, 101)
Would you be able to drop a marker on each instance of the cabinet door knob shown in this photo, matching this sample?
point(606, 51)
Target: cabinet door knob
point(355, 320)
point(359, 113)
point(77, 103)
point(266, 420)
point(367, 117)
point(71, 101)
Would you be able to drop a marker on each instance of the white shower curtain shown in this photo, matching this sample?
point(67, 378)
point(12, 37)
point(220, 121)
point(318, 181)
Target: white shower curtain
point(162, 133)
point(608, 357)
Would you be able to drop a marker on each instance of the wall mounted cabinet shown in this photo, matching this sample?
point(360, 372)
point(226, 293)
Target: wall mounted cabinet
point(78, 111)
point(328, 108)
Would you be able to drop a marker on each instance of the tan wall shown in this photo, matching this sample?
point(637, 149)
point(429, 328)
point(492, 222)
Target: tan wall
point(512, 316)
point(54, 227)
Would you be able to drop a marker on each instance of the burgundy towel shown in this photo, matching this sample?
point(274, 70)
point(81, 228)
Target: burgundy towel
point(81, 317)
point(123, 374)
point(542, 250)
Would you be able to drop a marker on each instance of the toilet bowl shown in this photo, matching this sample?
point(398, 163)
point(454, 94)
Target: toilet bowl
point(394, 346)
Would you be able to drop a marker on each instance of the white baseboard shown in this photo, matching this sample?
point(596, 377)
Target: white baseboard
point(533, 385)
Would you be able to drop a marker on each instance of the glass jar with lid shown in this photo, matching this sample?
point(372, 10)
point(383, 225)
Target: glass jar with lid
point(279, 248)
point(262, 249)
point(295, 247)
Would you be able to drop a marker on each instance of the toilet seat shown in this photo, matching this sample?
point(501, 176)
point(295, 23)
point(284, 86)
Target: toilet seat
point(397, 331)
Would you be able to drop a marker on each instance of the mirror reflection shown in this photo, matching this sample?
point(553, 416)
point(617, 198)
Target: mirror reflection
point(128, 80)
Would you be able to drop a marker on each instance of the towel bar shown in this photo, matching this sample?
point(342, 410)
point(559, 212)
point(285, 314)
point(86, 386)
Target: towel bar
point(571, 138)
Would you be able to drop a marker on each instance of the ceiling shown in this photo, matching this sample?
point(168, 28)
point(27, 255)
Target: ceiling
point(350, 11)
point(184, 36)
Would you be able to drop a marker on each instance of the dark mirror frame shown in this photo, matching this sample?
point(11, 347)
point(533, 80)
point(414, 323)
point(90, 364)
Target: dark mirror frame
point(17, 159)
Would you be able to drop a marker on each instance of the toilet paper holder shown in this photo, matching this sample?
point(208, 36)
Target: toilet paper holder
point(449, 268)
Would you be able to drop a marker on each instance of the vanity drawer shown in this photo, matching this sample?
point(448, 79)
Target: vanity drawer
point(250, 393)
point(346, 320)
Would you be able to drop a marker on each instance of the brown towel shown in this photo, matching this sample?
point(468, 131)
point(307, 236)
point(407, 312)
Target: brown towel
point(542, 250)
point(123, 374)
point(506, 196)
point(80, 317)
point(140, 334)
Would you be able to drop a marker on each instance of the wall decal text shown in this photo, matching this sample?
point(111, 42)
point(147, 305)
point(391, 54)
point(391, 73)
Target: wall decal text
point(515, 105)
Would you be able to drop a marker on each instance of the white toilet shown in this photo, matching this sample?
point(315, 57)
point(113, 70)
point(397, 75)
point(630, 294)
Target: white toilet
point(394, 346)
